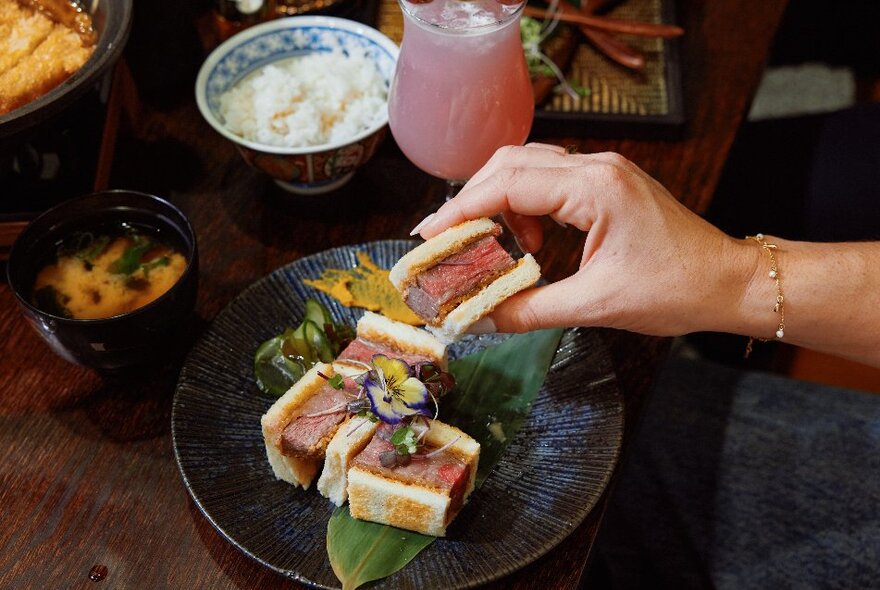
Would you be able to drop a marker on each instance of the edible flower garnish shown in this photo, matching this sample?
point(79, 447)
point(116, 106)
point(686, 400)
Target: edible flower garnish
point(393, 392)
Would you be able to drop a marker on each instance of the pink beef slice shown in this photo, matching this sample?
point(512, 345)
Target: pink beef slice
point(364, 350)
point(307, 436)
point(444, 471)
point(456, 276)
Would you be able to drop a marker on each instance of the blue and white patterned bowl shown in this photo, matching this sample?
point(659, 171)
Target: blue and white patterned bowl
point(303, 170)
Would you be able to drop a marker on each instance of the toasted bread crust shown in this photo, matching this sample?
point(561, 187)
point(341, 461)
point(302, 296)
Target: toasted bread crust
point(456, 316)
point(409, 339)
point(426, 255)
point(295, 470)
point(349, 440)
point(353, 435)
point(522, 276)
point(422, 508)
point(379, 499)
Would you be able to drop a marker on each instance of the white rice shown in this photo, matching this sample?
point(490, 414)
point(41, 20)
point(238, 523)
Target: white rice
point(310, 100)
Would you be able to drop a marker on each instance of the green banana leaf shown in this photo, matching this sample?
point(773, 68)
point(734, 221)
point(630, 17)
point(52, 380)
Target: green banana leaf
point(495, 388)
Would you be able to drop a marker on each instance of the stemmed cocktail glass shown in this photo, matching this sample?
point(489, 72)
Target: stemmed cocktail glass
point(462, 88)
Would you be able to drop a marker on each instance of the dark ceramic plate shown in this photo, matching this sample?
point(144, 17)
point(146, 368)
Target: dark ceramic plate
point(548, 481)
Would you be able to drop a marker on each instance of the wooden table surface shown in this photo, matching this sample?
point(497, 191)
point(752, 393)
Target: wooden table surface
point(88, 474)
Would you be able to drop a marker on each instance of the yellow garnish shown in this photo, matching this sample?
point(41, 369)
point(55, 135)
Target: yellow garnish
point(365, 286)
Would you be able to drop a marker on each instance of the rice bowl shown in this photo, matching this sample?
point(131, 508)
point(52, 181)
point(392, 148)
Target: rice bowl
point(305, 101)
point(290, 144)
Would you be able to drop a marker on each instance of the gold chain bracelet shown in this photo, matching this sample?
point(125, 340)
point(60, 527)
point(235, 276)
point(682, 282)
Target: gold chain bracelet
point(776, 276)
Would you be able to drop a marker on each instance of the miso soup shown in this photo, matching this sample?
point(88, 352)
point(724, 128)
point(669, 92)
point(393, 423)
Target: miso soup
point(106, 272)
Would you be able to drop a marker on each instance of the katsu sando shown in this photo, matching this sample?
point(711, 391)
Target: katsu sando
point(459, 276)
point(299, 426)
point(376, 334)
point(426, 492)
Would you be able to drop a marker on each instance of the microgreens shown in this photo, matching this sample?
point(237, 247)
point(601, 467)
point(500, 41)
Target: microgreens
point(337, 381)
point(534, 33)
point(404, 440)
point(437, 381)
point(369, 415)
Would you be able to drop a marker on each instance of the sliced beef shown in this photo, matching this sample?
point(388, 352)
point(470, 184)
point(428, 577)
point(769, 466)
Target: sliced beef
point(307, 436)
point(364, 350)
point(457, 275)
point(445, 471)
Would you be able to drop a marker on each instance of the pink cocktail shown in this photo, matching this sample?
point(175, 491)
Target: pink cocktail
point(461, 89)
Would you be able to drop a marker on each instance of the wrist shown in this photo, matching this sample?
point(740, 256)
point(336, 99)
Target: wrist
point(746, 294)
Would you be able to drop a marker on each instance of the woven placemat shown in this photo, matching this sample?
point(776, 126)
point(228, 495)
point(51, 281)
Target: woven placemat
point(614, 89)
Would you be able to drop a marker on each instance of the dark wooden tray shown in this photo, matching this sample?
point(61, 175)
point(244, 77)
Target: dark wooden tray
point(622, 102)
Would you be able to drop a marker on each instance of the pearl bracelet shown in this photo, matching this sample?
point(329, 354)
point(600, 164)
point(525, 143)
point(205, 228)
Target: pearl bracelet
point(776, 276)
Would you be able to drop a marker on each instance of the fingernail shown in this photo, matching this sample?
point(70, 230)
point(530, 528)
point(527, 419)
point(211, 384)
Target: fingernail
point(421, 224)
point(559, 223)
point(482, 326)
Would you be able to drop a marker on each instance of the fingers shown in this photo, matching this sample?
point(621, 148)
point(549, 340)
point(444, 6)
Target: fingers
point(559, 192)
point(527, 230)
point(533, 181)
point(533, 154)
point(547, 146)
point(564, 303)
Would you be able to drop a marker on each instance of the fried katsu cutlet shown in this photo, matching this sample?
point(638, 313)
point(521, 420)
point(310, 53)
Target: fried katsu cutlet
point(36, 54)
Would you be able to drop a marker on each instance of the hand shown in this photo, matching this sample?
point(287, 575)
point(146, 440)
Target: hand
point(649, 264)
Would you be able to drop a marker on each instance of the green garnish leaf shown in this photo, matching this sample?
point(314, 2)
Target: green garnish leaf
point(404, 440)
point(281, 361)
point(577, 88)
point(495, 386)
point(498, 385)
point(130, 261)
point(399, 435)
point(362, 551)
point(274, 372)
point(529, 30)
point(161, 261)
point(94, 250)
point(367, 413)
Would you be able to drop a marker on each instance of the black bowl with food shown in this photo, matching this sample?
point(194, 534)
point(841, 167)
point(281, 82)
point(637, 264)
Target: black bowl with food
point(108, 278)
point(51, 75)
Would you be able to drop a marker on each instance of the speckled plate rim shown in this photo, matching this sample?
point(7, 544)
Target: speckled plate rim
point(602, 385)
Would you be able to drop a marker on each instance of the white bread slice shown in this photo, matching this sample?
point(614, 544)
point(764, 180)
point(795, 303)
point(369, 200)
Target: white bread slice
point(437, 248)
point(403, 337)
point(349, 440)
point(294, 470)
point(413, 507)
point(525, 274)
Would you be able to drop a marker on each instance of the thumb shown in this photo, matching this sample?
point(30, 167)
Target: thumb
point(565, 303)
